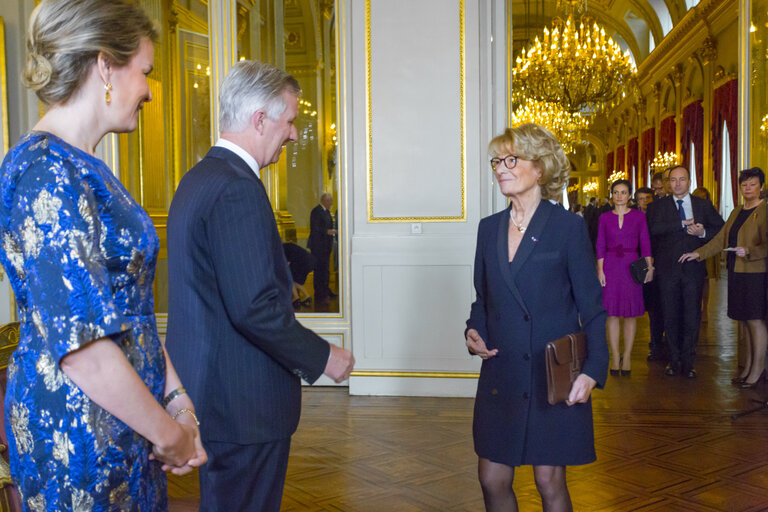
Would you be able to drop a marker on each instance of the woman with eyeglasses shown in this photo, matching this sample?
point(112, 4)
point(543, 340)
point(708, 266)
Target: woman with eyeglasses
point(535, 281)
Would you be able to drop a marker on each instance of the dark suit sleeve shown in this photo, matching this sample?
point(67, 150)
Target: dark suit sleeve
point(240, 230)
point(477, 317)
point(317, 228)
point(589, 301)
point(712, 221)
point(659, 225)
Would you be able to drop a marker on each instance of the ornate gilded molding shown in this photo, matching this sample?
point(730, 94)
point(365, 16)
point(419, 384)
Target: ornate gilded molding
point(700, 14)
point(708, 50)
point(676, 75)
point(372, 218)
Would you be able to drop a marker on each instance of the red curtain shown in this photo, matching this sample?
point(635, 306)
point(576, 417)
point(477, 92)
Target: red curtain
point(609, 164)
point(693, 131)
point(667, 135)
point(724, 110)
point(632, 155)
point(647, 152)
point(620, 158)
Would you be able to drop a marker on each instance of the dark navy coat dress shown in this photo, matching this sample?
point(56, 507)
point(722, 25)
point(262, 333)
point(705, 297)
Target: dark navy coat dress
point(550, 289)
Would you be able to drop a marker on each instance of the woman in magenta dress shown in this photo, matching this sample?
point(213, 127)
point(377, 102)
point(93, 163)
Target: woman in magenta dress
point(621, 232)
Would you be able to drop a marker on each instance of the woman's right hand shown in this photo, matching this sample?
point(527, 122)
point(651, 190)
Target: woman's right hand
point(601, 277)
point(689, 256)
point(179, 446)
point(477, 346)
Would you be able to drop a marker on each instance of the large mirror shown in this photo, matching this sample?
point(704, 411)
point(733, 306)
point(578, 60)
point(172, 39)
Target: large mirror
point(300, 37)
point(174, 129)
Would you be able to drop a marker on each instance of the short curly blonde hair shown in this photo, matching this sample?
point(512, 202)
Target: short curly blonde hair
point(532, 142)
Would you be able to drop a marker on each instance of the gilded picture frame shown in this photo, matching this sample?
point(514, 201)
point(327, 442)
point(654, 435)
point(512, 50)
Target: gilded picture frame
point(3, 89)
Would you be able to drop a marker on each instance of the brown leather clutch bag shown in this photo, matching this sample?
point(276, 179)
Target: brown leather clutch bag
point(564, 358)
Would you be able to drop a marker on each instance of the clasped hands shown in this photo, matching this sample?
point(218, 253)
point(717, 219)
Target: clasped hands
point(694, 228)
point(184, 451)
point(580, 390)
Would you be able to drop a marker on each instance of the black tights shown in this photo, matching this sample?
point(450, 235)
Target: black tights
point(496, 481)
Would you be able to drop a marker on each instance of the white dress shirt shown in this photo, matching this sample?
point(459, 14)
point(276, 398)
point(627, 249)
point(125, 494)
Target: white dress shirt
point(252, 163)
point(688, 209)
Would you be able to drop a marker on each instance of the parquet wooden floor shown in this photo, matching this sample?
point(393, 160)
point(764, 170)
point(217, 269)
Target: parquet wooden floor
point(663, 444)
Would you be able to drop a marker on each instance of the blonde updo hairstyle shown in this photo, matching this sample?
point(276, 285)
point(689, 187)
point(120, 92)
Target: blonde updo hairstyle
point(65, 38)
point(532, 142)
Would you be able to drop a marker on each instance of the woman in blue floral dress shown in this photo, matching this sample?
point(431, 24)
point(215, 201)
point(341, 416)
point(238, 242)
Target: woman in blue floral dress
point(85, 423)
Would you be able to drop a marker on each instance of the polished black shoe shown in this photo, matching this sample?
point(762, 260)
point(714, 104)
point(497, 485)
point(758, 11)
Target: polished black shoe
point(671, 370)
point(691, 374)
point(654, 357)
point(332, 295)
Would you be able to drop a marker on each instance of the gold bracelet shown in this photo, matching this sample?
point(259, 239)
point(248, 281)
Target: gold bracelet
point(173, 394)
point(190, 411)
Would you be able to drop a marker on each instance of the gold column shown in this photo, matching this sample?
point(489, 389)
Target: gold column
point(222, 20)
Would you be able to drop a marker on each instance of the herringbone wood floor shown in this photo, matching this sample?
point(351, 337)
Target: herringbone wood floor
point(663, 444)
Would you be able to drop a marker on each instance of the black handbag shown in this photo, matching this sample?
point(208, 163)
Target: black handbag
point(639, 269)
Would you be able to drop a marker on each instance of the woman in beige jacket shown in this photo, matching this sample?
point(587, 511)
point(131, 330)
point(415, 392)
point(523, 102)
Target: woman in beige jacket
point(744, 238)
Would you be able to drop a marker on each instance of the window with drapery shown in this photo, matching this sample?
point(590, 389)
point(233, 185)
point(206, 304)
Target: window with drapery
point(692, 141)
point(724, 140)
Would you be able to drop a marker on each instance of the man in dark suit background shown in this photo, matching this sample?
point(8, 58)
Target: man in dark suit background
point(320, 244)
point(681, 223)
point(232, 332)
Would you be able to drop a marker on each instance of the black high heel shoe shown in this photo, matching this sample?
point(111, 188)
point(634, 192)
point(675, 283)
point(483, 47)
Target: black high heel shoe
point(617, 371)
point(737, 380)
point(751, 385)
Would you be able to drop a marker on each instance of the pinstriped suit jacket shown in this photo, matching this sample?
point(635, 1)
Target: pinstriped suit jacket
point(232, 333)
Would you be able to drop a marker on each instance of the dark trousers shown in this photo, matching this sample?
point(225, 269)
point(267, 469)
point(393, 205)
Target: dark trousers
point(243, 478)
point(322, 274)
point(652, 300)
point(681, 304)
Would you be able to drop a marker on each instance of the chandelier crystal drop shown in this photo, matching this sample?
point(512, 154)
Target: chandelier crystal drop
point(566, 126)
point(574, 64)
point(663, 161)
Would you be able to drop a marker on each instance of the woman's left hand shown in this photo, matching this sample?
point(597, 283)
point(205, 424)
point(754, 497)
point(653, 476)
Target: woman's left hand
point(649, 275)
point(741, 252)
point(581, 389)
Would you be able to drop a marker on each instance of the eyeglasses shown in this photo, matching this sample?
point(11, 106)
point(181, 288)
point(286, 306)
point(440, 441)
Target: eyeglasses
point(510, 161)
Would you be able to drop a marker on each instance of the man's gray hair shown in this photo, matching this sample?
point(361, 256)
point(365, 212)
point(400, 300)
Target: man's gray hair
point(250, 86)
point(325, 195)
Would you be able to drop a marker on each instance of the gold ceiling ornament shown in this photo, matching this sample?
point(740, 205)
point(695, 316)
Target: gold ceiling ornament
point(566, 126)
point(617, 175)
point(664, 161)
point(575, 64)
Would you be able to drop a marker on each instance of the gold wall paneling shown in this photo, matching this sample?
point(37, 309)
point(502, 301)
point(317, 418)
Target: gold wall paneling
point(757, 71)
point(372, 216)
point(3, 89)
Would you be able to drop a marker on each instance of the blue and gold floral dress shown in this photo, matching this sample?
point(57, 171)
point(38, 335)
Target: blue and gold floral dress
point(81, 254)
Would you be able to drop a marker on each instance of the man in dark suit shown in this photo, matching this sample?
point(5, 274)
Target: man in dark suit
point(232, 332)
point(681, 223)
point(320, 243)
point(651, 296)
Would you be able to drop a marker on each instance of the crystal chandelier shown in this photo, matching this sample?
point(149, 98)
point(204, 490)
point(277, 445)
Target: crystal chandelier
point(663, 161)
point(574, 65)
point(566, 126)
point(617, 175)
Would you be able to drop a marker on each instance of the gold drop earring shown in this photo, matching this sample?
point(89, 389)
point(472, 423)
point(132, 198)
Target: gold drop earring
point(108, 95)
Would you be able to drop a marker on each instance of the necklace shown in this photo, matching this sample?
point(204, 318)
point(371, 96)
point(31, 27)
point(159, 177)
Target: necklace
point(519, 227)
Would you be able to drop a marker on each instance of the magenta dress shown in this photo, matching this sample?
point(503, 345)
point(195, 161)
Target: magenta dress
point(619, 247)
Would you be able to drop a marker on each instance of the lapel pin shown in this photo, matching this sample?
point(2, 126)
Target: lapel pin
point(534, 238)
